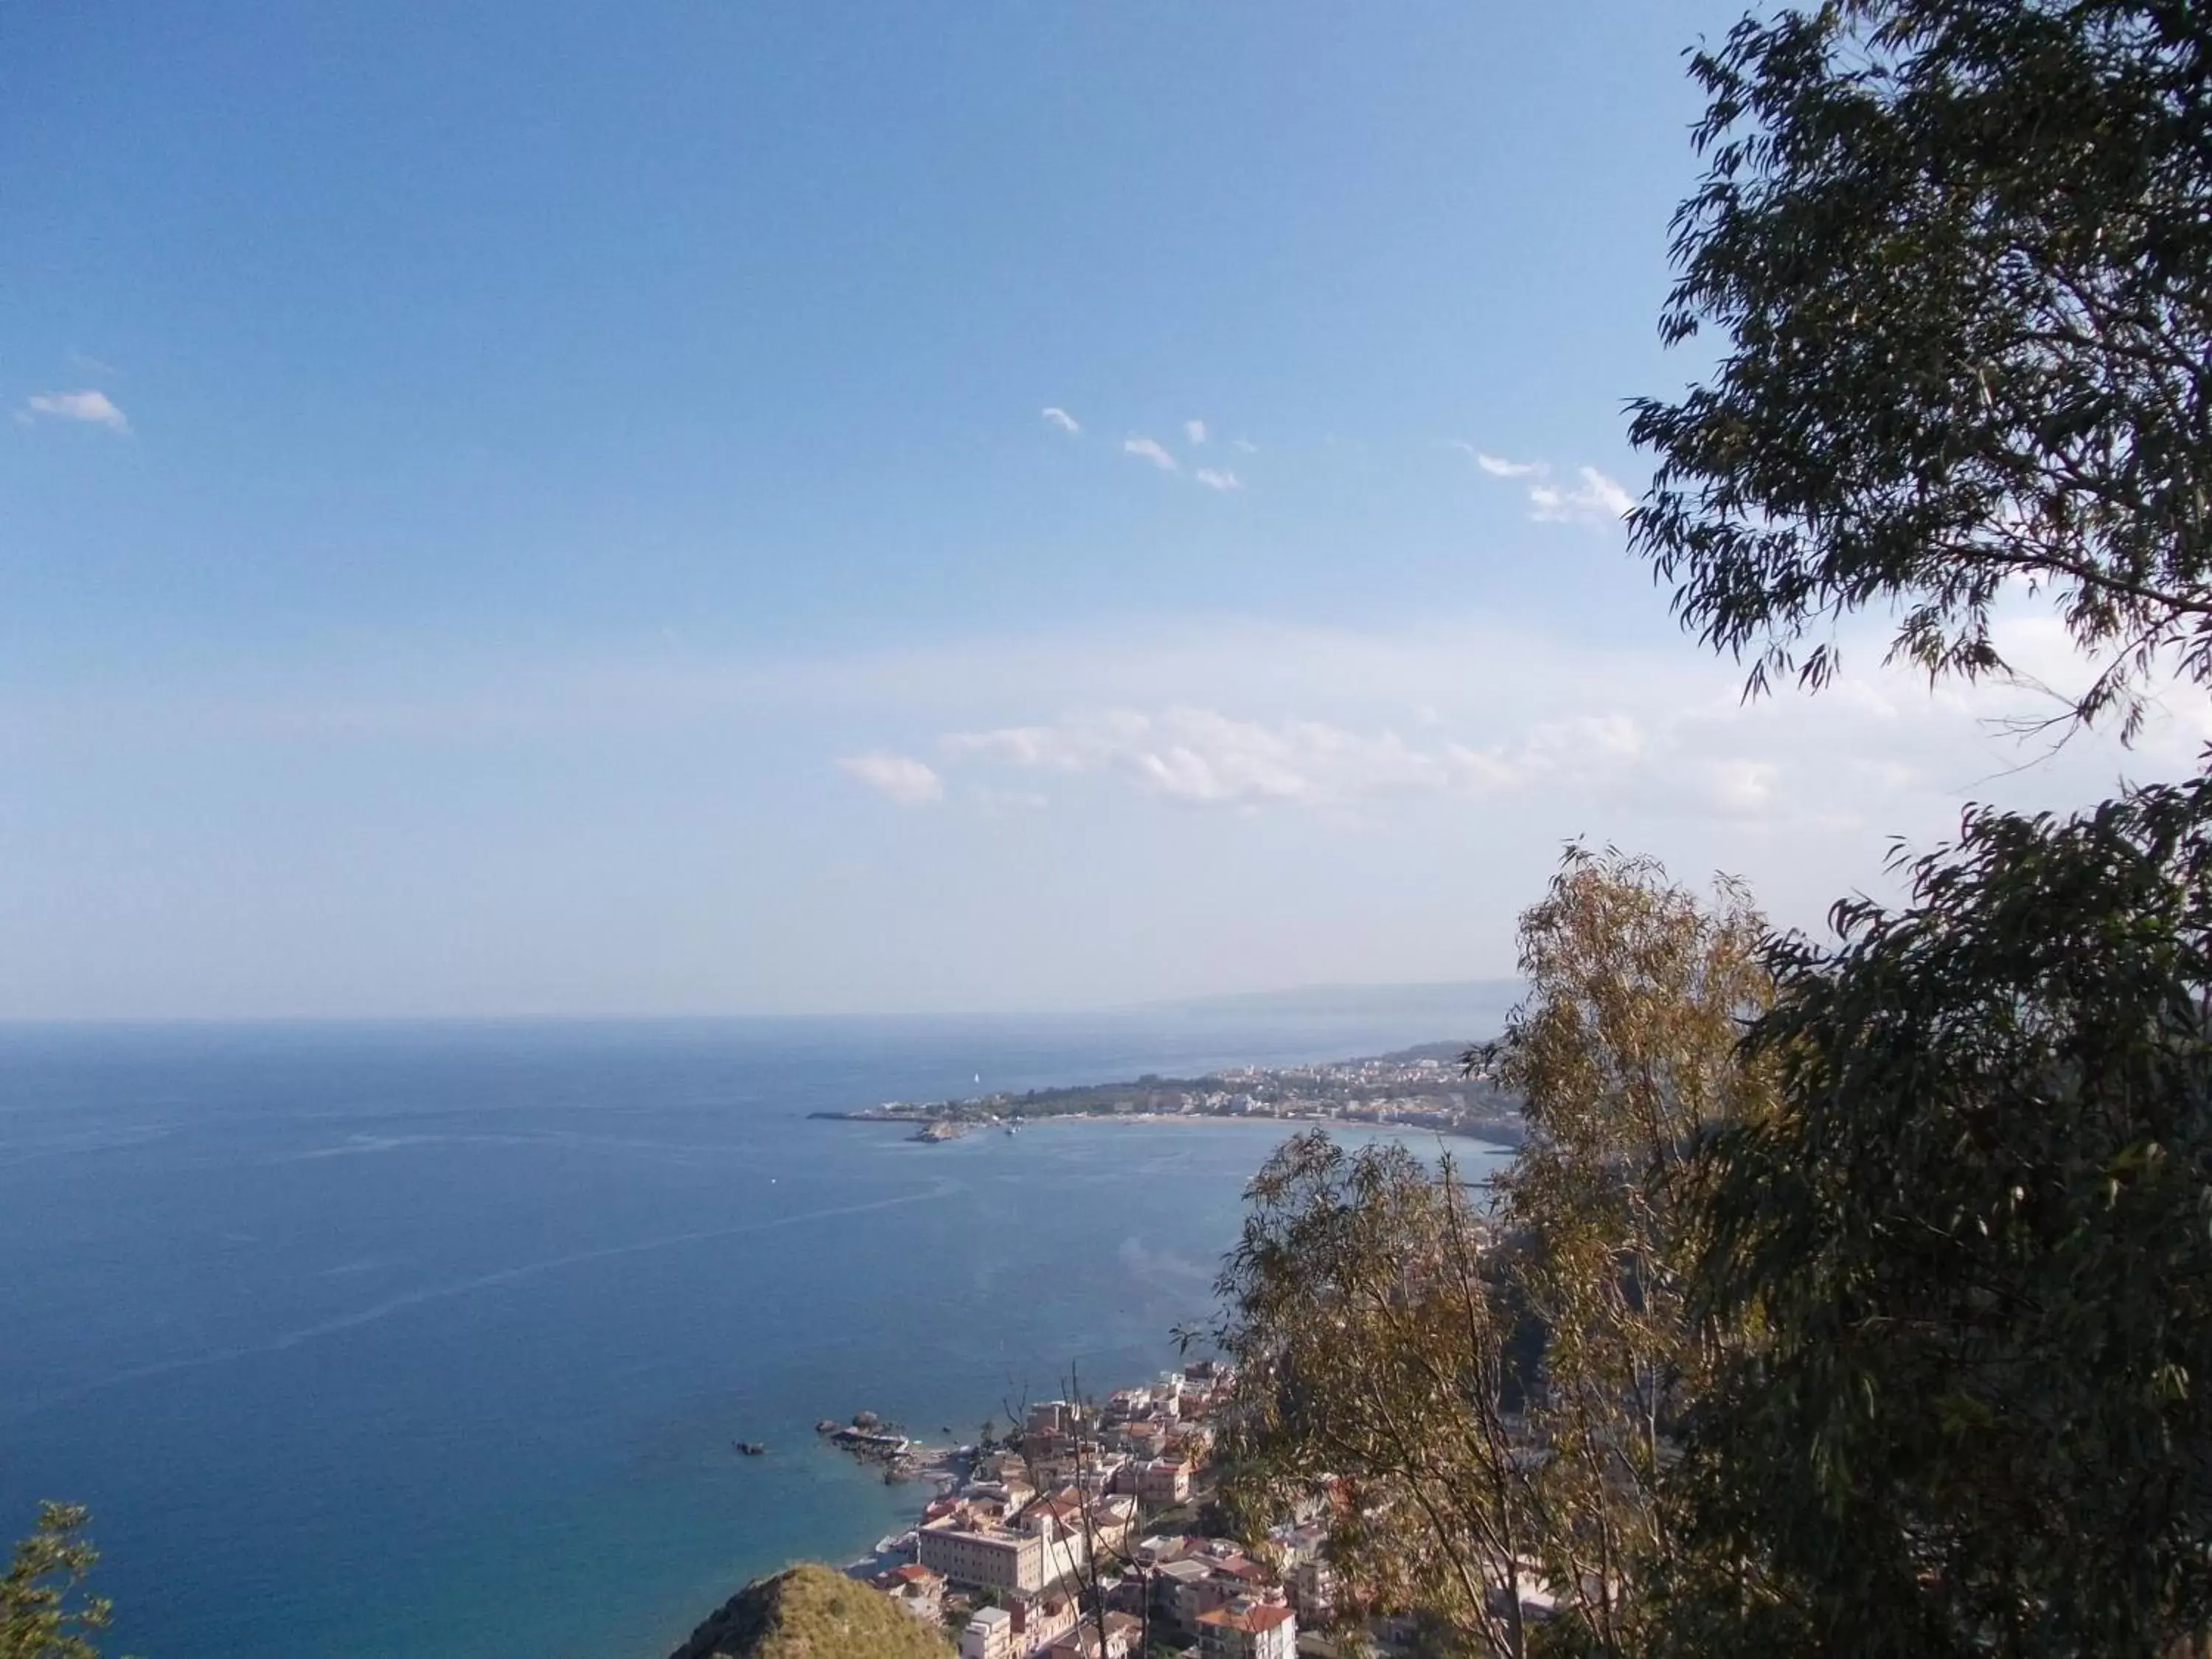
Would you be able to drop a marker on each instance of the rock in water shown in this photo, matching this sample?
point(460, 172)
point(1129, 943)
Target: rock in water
point(812, 1612)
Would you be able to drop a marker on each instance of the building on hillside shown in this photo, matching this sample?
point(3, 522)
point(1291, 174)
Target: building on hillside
point(1024, 1559)
point(1114, 1523)
point(1053, 1417)
point(1191, 1577)
point(1248, 1629)
point(1313, 1591)
point(988, 1635)
point(1118, 1640)
point(1163, 1482)
point(1184, 1589)
point(916, 1589)
point(1104, 1522)
point(1246, 1576)
point(1100, 1473)
point(1040, 1620)
point(1009, 1492)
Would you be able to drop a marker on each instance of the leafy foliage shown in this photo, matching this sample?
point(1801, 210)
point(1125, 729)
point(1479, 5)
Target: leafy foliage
point(812, 1611)
point(1371, 1352)
point(1960, 254)
point(1979, 1235)
point(1487, 1397)
point(1626, 1055)
point(41, 1614)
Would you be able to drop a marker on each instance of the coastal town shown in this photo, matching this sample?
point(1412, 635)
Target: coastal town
point(1088, 1530)
point(1079, 1537)
point(1430, 1087)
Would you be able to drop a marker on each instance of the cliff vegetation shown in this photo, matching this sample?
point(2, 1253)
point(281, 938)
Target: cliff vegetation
point(812, 1612)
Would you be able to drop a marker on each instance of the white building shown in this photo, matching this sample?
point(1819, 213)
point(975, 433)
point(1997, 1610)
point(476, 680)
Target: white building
point(989, 1635)
point(1023, 1559)
point(1246, 1629)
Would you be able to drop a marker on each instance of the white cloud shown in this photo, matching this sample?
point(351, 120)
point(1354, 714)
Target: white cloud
point(1201, 756)
point(1215, 478)
point(92, 408)
point(1195, 430)
point(1498, 467)
point(1615, 738)
point(1615, 742)
point(1597, 499)
point(909, 781)
point(1153, 451)
point(1245, 446)
point(1060, 418)
point(1673, 761)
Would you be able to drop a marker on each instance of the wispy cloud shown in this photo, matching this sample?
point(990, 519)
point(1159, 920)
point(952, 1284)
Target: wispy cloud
point(1597, 499)
point(1195, 430)
point(93, 408)
point(1055, 416)
point(1198, 756)
point(1152, 450)
point(1217, 478)
point(1692, 757)
point(1203, 757)
point(1245, 446)
point(1498, 467)
point(901, 778)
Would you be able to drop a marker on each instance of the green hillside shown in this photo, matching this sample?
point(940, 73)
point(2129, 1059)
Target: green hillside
point(810, 1612)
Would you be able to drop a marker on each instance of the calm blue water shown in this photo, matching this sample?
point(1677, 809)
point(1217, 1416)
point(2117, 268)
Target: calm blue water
point(373, 1341)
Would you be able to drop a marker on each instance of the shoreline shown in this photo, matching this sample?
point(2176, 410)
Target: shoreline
point(1421, 1091)
point(1444, 1088)
point(955, 1128)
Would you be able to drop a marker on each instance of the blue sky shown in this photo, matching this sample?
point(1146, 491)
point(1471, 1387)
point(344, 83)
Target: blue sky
point(753, 507)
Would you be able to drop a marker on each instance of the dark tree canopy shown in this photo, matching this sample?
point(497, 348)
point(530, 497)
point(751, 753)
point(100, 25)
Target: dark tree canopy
point(1958, 255)
point(1978, 1234)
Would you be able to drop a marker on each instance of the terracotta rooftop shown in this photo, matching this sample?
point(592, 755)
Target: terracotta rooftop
point(1252, 1620)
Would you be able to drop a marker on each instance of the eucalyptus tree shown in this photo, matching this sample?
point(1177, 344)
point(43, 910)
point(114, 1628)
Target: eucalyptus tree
point(1954, 259)
point(1626, 1057)
point(1373, 1343)
point(1978, 1239)
point(1488, 1394)
point(43, 1615)
point(1954, 262)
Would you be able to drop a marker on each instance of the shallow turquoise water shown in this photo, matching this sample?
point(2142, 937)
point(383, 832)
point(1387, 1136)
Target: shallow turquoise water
point(432, 1340)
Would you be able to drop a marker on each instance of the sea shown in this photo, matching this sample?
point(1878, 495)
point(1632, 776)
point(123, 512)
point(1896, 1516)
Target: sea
point(434, 1340)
